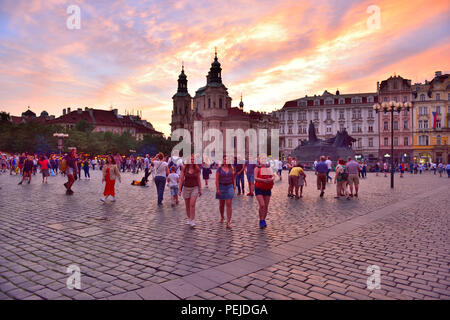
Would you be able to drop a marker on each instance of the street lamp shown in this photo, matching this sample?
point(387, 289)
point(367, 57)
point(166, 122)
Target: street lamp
point(392, 107)
point(60, 137)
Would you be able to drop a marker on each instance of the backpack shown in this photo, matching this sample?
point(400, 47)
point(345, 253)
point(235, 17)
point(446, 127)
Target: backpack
point(63, 165)
point(344, 175)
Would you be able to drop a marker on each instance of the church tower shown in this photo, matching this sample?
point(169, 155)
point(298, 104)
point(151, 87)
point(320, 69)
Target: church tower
point(181, 112)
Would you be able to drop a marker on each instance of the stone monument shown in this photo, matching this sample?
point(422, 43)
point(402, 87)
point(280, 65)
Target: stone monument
point(340, 146)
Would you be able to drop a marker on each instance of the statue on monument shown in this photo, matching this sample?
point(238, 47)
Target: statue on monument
point(341, 140)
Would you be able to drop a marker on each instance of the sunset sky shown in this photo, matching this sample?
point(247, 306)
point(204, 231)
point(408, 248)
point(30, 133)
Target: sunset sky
point(128, 54)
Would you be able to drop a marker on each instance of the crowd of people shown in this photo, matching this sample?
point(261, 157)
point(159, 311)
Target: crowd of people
point(184, 179)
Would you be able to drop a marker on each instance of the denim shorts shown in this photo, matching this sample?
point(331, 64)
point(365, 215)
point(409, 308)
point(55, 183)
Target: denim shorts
point(250, 177)
point(260, 192)
point(174, 191)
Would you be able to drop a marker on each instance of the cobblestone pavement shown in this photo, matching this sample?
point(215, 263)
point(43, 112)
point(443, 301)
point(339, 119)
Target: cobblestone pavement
point(313, 248)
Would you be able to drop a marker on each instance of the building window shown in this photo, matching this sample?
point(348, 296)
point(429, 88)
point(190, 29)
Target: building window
point(356, 100)
point(341, 127)
point(405, 125)
point(438, 123)
point(423, 140)
point(370, 129)
point(425, 124)
point(290, 116)
point(359, 142)
point(328, 129)
point(395, 141)
point(316, 102)
point(290, 130)
point(438, 110)
point(385, 99)
point(316, 115)
point(420, 124)
point(209, 103)
point(370, 142)
point(370, 113)
point(328, 101)
point(220, 103)
point(341, 115)
point(405, 112)
point(328, 114)
point(438, 96)
point(395, 125)
point(302, 115)
point(385, 126)
point(422, 97)
point(405, 98)
point(438, 140)
point(370, 99)
point(342, 101)
point(386, 142)
point(290, 143)
point(425, 111)
point(405, 141)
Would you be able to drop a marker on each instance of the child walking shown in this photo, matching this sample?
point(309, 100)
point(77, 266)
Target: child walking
point(173, 179)
point(297, 178)
point(110, 174)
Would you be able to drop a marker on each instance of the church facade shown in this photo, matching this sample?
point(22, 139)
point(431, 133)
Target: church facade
point(212, 106)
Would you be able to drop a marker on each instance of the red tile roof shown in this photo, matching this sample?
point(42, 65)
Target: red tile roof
point(290, 104)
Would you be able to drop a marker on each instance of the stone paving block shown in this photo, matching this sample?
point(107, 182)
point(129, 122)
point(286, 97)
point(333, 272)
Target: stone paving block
point(216, 275)
point(181, 288)
point(126, 296)
point(156, 292)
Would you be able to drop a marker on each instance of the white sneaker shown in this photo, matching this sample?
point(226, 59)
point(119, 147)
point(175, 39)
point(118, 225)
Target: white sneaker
point(113, 199)
point(103, 199)
point(188, 221)
point(192, 223)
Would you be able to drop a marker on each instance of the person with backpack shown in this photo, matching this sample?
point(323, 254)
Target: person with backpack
point(340, 179)
point(27, 169)
point(161, 171)
point(69, 165)
point(321, 169)
point(352, 179)
point(264, 177)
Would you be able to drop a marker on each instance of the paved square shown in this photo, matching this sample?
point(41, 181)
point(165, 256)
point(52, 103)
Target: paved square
point(313, 248)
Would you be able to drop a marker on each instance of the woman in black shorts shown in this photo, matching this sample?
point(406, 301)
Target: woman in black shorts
point(264, 177)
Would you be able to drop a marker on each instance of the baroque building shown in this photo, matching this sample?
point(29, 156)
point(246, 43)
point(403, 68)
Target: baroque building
point(211, 106)
point(396, 89)
point(331, 113)
point(431, 119)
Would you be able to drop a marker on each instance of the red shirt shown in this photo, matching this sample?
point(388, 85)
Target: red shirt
point(44, 164)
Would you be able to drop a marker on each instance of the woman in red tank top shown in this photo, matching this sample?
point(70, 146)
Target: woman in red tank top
point(264, 177)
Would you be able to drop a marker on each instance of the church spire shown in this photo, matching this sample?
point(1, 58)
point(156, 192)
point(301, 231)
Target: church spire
point(241, 104)
point(182, 81)
point(215, 73)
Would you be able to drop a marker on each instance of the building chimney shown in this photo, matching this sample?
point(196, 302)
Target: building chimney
point(115, 112)
point(64, 111)
point(438, 73)
point(68, 110)
point(79, 111)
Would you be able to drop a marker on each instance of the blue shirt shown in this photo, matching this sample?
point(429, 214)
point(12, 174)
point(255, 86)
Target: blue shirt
point(321, 167)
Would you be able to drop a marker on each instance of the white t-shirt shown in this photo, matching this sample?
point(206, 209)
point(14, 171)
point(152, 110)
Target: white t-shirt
point(328, 162)
point(159, 168)
point(172, 179)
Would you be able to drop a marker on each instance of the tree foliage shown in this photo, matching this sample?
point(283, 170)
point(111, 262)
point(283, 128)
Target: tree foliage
point(38, 138)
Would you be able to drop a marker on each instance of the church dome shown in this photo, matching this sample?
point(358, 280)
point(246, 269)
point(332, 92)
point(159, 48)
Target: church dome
point(44, 114)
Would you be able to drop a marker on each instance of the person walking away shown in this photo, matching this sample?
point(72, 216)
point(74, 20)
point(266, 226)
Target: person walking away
point(448, 169)
point(385, 169)
point(79, 165)
point(440, 169)
point(86, 169)
point(44, 164)
point(239, 169)
point(27, 169)
point(402, 169)
point(206, 172)
point(321, 171)
point(161, 171)
point(364, 170)
point(250, 166)
point(110, 174)
point(353, 179)
point(420, 168)
point(190, 188)
point(225, 186)
point(173, 179)
point(340, 179)
point(264, 178)
point(329, 164)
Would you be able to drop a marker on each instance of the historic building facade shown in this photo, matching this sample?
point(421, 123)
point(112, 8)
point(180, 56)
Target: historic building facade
point(396, 89)
point(330, 113)
point(431, 119)
point(211, 105)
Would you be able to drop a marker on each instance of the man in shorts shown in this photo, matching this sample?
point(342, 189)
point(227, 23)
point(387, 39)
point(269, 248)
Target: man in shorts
point(353, 179)
point(250, 166)
point(321, 170)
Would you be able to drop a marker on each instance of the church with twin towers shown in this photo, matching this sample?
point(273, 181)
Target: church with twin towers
point(212, 105)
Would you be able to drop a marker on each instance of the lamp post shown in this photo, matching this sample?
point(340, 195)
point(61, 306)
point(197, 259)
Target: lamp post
point(60, 137)
point(392, 107)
